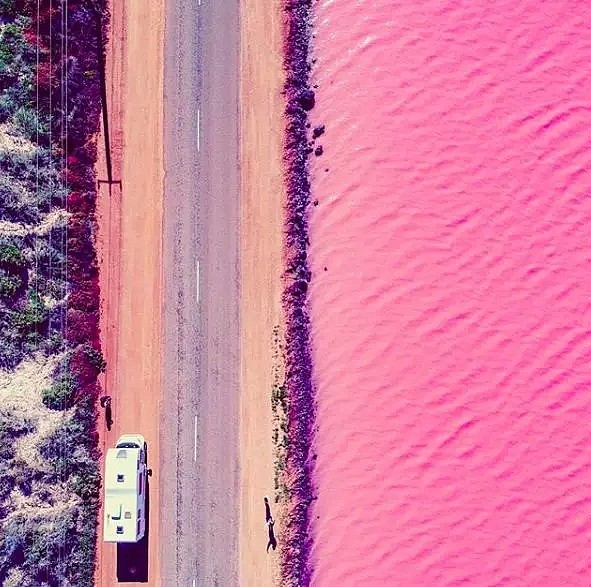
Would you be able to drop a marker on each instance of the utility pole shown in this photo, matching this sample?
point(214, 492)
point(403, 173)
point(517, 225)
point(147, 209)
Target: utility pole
point(103, 88)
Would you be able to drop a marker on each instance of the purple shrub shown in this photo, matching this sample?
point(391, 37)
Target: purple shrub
point(296, 564)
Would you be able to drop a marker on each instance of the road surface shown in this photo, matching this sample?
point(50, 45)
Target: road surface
point(199, 471)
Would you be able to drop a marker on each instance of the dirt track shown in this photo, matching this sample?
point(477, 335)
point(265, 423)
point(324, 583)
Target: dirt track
point(261, 246)
point(129, 247)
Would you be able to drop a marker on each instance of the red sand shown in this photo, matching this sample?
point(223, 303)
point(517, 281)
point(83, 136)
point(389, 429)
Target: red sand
point(262, 197)
point(452, 327)
point(129, 249)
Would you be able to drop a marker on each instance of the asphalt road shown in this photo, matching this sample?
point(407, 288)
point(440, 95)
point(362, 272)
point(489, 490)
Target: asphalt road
point(199, 428)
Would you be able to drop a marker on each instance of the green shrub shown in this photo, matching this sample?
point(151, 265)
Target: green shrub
point(96, 358)
point(18, 164)
point(11, 255)
point(12, 427)
point(9, 285)
point(40, 545)
point(53, 344)
point(50, 258)
point(61, 394)
point(64, 440)
point(52, 547)
point(28, 124)
point(7, 9)
point(33, 315)
point(11, 351)
point(17, 56)
point(17, 204)
point(87, 483)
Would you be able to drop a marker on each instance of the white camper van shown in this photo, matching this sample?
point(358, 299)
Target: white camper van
point(125, 490)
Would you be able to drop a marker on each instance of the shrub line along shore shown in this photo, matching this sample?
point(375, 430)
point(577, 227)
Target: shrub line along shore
point(49, 307)
point(296, 564)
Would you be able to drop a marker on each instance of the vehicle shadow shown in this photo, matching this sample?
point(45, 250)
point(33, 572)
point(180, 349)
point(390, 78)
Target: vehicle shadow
point(132, 559)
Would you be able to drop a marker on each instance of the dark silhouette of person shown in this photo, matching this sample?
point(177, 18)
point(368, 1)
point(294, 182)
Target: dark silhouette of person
point(272, 540)
point(108, 416)
point(106, 403)
point(268, 515)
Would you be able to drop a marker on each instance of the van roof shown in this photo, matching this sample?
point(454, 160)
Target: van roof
point(121, 494)
point(122, 465)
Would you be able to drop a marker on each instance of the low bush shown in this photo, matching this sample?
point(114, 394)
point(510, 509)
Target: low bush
point(11, 255)
point(7, 9)
point(17, 56)
point(12, 427)
point(50, 547)
point(61, 394)
point(53, 344)
point(11, 343)
point(50, 255)
point(95, 358)
point(30, 125)
point(31, 317)
point(72, 455)
point(16, 203)
point(18, 164)
point(9, 285)
point(40, 545)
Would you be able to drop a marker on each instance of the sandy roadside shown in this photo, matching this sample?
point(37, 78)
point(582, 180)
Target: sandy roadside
point(262, 194)
point(129, 247)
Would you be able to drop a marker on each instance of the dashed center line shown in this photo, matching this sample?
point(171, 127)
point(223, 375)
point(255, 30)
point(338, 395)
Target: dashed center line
point(198, 279)
point(198, 129)
point(195, 449)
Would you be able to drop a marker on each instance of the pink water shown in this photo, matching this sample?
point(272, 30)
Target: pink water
point(452, 327)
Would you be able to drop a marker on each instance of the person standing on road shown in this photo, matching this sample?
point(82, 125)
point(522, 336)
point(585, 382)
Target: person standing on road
point(106, 403)
point(270, 523)
point(272, 540)
point(267, 511)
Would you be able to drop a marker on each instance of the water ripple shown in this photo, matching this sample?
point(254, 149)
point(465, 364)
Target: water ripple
point(451, 293)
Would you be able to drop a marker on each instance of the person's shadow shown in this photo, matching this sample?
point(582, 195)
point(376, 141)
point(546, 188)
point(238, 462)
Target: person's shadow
point(109, 416)
point(272, 540)
point(270, 523)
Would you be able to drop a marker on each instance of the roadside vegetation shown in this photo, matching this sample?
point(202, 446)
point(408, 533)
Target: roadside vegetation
point(49, 352)
point(296, 560)
point(280, 422)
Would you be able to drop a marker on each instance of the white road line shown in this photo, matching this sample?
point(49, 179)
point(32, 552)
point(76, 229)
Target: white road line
point(195, 579)
point(198, 129)
point(198, 281)
point(195, 448)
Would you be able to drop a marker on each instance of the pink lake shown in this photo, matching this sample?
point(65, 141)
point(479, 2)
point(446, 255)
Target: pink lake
point(452, 326)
